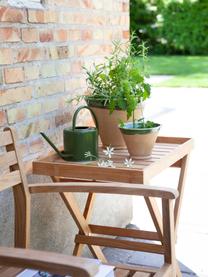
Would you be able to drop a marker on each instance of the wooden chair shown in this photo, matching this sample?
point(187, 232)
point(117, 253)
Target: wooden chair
point(14, 177)
point(14, 261)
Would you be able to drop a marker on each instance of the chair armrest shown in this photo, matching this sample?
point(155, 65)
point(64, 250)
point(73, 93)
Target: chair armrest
point(51, 262)
point(164, 271)
point(109, 188)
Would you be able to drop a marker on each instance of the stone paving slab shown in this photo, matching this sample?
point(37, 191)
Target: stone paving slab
point(141, 258)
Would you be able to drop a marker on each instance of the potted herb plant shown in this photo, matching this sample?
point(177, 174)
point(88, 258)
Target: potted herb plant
point(115, 88)
point(140, 136)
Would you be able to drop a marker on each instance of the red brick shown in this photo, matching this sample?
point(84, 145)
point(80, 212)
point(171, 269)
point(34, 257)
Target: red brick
point(30, 35)
point(16, 114)
point(86, 4)
point(51, 17)
point(63, 52)
point(13, 75)
point(30, 54)
point(87, 35)
point(126, 34)
point(31, 72)
point(125, 7)
point(63, 119)
point(9, 34)
point(36, 16)
point(3, 119)
point(12, 15)
point(76, 67)
point(15, 95)
point(74, 34)
point(46, 35)
point(6, 56)
point(88, 50)
point(36, 145)
point(61, 35)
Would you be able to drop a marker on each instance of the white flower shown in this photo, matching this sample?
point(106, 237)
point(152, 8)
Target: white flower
point(105, 163)
point(110, 163)
point(109, 151)
point(102, 163)
point(129, 162)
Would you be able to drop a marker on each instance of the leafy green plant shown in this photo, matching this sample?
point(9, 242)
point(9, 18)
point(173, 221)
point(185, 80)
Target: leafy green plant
point(119, 82)
point(140, 124)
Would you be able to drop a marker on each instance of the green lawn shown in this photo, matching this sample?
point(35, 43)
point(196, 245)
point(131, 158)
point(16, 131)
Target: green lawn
point(187, 71)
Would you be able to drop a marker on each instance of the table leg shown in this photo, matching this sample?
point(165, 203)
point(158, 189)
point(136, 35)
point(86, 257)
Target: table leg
point(87, 215)
point(79, 218)
point(178, 202)
point(81, 222)
point(155, 214)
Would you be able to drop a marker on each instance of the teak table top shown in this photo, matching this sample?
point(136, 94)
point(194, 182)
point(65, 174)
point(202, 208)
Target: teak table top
point(168, 151)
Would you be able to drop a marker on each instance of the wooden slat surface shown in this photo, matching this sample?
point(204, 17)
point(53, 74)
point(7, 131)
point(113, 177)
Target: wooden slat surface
point(5, 138)
point(135, 268)
point(123, 232)
point(142, 274)
point(167, 152)
point(121, 272)
point(122, 244)
point(9, 271)
point(49, 262)
point(109, 188)
point(10, 179)
point(7, 159)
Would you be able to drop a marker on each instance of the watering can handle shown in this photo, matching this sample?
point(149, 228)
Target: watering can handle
point(76, 113)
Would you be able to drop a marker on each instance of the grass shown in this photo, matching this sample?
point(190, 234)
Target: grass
point(187, 71)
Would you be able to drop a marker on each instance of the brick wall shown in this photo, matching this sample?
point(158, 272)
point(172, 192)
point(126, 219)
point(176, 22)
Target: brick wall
point(42, 52)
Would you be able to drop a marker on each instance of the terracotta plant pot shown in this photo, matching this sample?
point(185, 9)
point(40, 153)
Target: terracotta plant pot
point(108, 126)
point(139, 141)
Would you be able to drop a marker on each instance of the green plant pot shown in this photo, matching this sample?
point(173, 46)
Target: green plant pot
point(139, 141)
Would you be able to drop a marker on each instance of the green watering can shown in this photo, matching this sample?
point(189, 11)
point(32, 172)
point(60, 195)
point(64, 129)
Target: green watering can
point(78, 140)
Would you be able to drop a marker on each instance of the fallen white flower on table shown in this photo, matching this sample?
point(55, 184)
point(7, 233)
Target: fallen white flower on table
point(129, 162)
point(109, 151)
point(110, 163)
point(102, 163)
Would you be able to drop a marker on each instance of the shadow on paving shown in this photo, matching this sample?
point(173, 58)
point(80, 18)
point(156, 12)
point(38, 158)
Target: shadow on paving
point(140, 258)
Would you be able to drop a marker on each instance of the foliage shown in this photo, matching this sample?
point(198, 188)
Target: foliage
point(119, 82)
point(185, 27)
point(144, 21)
point(171, 27)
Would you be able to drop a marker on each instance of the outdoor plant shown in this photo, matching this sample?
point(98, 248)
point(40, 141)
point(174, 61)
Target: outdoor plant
point(116, 90)
point(119, 82)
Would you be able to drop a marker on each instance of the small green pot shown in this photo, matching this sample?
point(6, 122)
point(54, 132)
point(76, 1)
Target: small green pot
point(139, 141)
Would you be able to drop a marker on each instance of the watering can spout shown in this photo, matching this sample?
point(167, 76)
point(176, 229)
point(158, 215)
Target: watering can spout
point(62, 155)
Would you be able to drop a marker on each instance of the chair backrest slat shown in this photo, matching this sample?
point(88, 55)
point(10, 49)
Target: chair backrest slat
point(8, 159)
point(5, 138)
point(12, 176)
point(10, 179)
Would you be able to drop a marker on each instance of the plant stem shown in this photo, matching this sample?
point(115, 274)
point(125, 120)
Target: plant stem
point(133, 117)
point(141, 103)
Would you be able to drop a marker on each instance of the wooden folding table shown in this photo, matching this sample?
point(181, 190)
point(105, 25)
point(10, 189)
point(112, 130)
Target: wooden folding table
point(167, 152)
